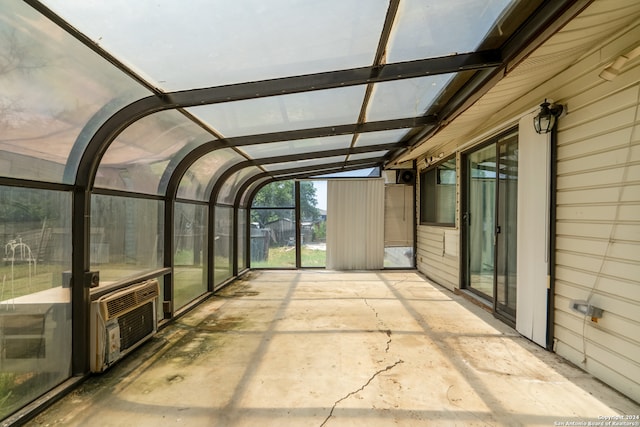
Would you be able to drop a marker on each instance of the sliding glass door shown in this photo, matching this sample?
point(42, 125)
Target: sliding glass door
point(480, 220)
point(506, 230)
point(489, 221)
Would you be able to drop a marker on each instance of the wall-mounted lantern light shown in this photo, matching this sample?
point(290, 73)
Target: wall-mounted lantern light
point(546, 119)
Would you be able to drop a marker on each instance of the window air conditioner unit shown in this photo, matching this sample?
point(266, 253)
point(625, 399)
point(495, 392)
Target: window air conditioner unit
point(121, 321)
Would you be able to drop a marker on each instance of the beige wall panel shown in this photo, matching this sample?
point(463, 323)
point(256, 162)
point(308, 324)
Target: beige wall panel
point(620, 382)
point(597, 144)
point(623, 101)
point(622, 270)
point(628, 232)
point(609, 285)
point(600, 352)
point(622, 343)
point(611, 304)
point(630, 193)
point(595, 90)
point(585, 212)
point(611, 159)
point(617, 377)
point(598, 126)
point(615, 250)
point(611, 176)
point(625, 212)
point(431, 260)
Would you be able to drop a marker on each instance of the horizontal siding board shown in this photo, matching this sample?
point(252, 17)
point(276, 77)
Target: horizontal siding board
point(608, 176)
point(598, 351)
point(619, 106)
point(594, 145)
point(619, 269)
point(602, 371)
point(599, 126)
point(618, 250)
point(619, 328)
point(624, 308)
point(611, 212)
point(609, 194)
point(601, 89)
point(431, 260)
point(623, 347)
point(612, 158)
point(599, 230)
point(605, 284)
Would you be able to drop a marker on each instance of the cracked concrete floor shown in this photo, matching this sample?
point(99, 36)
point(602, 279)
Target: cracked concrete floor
point(320, 348)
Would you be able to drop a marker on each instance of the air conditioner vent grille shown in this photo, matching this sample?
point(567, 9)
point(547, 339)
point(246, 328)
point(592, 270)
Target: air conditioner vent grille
point(135, 325)
point(121, 302)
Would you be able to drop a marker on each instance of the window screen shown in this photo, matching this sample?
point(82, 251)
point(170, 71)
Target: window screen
point(438, 194)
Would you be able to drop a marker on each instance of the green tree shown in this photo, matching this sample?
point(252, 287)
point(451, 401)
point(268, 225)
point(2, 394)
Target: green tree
point(281, 194)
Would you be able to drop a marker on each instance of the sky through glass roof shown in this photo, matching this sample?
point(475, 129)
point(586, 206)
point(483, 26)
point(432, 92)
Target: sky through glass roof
point(288, 77)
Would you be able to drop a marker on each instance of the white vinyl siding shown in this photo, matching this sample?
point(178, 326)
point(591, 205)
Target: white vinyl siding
point(598, 197)
point(598, 228)
point(437, 256)
point(438, 251)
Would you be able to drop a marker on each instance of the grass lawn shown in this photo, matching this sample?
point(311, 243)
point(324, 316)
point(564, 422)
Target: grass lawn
point(285, 257)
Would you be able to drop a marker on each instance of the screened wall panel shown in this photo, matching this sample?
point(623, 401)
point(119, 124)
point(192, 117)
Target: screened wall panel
point(273, 226)
point(35, 294)
point(148, 150)
point(54, 94)
point(223, 244)
point(190, 253)
point(208, 168)
point(242, 239)
point(273, 238)
point(313, 223)
point(126, 237)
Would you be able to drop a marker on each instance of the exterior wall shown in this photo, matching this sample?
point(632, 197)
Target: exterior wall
point(438, 248)
point(437, 260)
point(598, 213)
point(598, 227)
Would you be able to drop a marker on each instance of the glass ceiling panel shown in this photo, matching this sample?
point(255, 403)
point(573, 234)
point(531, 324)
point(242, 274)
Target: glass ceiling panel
point(229, 189)
point(359, 173)
point(283, 113)
point(405, 98)
point(298, 146)
point(304, 163)
point(433, 28)
point(382, 137)
point(196, 182)
point(219, 42)
point(52, 90)
point(148, 150)
point(361, 156)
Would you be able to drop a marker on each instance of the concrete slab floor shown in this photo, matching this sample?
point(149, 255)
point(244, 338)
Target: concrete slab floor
point(320, 348)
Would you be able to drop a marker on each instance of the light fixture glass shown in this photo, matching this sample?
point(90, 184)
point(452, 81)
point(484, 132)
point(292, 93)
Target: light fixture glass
point(546, 119)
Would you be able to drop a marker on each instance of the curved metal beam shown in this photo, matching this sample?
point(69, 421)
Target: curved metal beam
point(288, 175)
point(215, 187)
